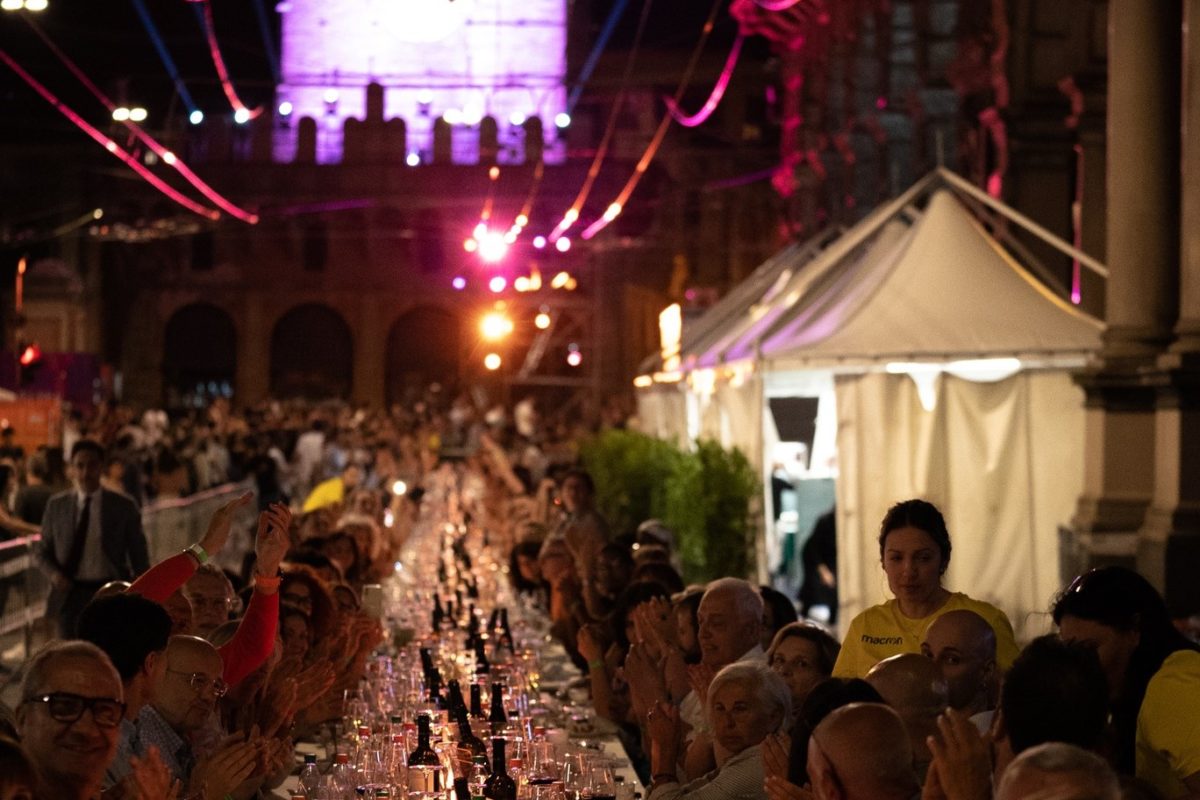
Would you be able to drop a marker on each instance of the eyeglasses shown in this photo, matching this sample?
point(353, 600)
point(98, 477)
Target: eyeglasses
point(68, 708)
point(200, 682)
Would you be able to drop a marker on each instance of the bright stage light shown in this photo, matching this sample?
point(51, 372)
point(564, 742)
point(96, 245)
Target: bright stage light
point(452, 116)
point(539, 242)
point(495, 326)
point(120, 114)
point(492, 247)
point(413, 159)
point(196, 117)
point(470, 245)
point(459, 283)
point(36, 5)
point(574, 358)
point(492, 361)
point(560, 280)
point(285, 109)
point(331, 96)
point(562, 119)
point(498, 284)
point(399, 488)
point(12, 5)
point(169, 157)
point(542, 321)
point(521, 284)
point(563, 244)
point(494, 173)
point(516, 119)
point(137, 114)
point(425, 97)
point(241, 116)
point(521, 221)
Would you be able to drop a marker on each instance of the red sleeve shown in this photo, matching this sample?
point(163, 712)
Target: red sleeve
point(160, 581)
point(255, 638)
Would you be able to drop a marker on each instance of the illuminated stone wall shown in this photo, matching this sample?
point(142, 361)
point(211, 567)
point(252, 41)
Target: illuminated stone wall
point(458, 59)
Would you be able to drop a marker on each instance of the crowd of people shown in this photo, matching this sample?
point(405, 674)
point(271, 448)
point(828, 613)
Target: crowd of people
point(185, 680)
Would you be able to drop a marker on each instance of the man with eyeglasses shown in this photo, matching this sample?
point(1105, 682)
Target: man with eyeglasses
point(71, 704)
point(187, 685)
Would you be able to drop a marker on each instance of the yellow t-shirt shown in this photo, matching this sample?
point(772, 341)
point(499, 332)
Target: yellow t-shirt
point(1167, 746)
point(882, 631)
point(325, 493)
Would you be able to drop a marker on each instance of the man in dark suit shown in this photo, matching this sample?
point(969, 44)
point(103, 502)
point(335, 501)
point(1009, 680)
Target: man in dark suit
point(90, 536)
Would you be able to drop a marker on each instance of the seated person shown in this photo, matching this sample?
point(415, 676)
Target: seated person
point(777, 612)
point(963, 647)
point(1057, 771)
point(913, 686)
point(862, 752)
point(746, 702)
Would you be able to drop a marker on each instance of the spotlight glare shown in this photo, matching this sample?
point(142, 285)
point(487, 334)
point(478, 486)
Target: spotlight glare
point(492, 247)
point(498, 284)
point(510, 237)
point(542, 321)
point(521, 221)
point(574, 358)
point(516, 119)
point(562, 119)
point(168, 157)
point(120, 114)
point(285, 109)
point(452, 116)
point(470, 245)
point(494, 172)
point(495, 326)
point(413, 159)
point(12, 5)
point(563, 244)
point(459, 283)
point(36, 5)
point(480, 230)
point(399, 488)
point(137, 114)
point(492, 361)
point(521, 284)
point(241, 116)
point(331, 96)
point(612, 212)
point(196, 117)
point(539, 242)
point(560, 280)
point(424, 97)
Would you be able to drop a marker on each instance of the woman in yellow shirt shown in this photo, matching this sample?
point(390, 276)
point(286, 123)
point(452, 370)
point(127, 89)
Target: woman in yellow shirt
point(1153, 675)
point(914, 548)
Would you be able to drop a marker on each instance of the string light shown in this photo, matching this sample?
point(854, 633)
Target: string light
point(610, 128)
point(660, 134)
point(155, 147)
point(210, 33)
point(108, 143)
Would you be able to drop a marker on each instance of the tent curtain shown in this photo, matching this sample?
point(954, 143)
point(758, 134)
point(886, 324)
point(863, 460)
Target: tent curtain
point(999, 459)
point(662, 413)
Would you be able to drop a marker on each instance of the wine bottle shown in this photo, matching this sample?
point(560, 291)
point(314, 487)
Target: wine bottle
point(498, 718)
point(461, 790)
point(424, 765)
point(476, 701)
point(482, 665)
point(467, 740)
point(506, 632)
point(454, 699)
point(499, 786)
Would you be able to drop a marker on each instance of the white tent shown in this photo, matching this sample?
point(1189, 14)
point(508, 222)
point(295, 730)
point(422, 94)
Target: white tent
point(947, 365)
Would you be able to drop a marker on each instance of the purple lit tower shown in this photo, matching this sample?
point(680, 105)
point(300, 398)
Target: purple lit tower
point(457, 59)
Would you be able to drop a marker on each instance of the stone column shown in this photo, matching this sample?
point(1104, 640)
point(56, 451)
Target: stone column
point(1142, 243)
point(1169, 541)
point(253, 353)
point(370, 341)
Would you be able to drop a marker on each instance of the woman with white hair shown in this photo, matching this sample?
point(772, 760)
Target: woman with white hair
point(745, 703)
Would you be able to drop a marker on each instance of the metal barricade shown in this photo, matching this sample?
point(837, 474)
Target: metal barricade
point(169, 525)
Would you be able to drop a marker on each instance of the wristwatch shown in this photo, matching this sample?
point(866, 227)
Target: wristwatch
point(200, 554)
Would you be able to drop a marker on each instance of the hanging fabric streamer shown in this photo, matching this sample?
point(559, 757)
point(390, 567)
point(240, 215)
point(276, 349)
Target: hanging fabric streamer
point(714, 99)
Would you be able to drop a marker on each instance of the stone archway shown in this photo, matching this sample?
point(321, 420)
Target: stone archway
point(199, 355)
point(423, 346)
point(312, 354)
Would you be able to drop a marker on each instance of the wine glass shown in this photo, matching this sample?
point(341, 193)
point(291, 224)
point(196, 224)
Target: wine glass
point(600, 782)
point(575, 775)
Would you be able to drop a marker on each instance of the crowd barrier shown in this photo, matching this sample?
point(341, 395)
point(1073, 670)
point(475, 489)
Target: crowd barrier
point(170, 526)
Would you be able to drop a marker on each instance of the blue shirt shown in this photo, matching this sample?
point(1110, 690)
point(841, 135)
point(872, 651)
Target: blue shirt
point(149, 728)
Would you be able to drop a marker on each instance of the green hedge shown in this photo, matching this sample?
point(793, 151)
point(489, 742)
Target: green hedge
point(704, 496)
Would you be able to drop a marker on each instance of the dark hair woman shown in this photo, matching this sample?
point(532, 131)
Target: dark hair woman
point(914, 550)
point(1153, 674)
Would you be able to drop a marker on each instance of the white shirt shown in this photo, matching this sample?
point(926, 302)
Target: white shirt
point(93, 566)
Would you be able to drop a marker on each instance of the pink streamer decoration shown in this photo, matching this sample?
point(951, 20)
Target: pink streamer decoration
point(108, 143)
point(210, 33)
point(168, 158)
point(718, 91)
point(776, 5)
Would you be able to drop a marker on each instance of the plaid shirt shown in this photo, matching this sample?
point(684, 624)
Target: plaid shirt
point(151, 729)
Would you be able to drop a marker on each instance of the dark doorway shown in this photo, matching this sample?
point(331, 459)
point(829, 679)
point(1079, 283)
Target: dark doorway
point(422, 347)
point(199, 356)
point(312, 354)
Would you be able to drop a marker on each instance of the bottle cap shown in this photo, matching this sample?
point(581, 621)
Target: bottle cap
point(515, 763)
point(341, 758)
point(363, 730)
point(310, 758)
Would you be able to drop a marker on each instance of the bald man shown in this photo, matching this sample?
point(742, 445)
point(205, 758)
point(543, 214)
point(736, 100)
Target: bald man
point(963, 647)
point(914, 687)
point(862, 752)
point(1059, 771)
